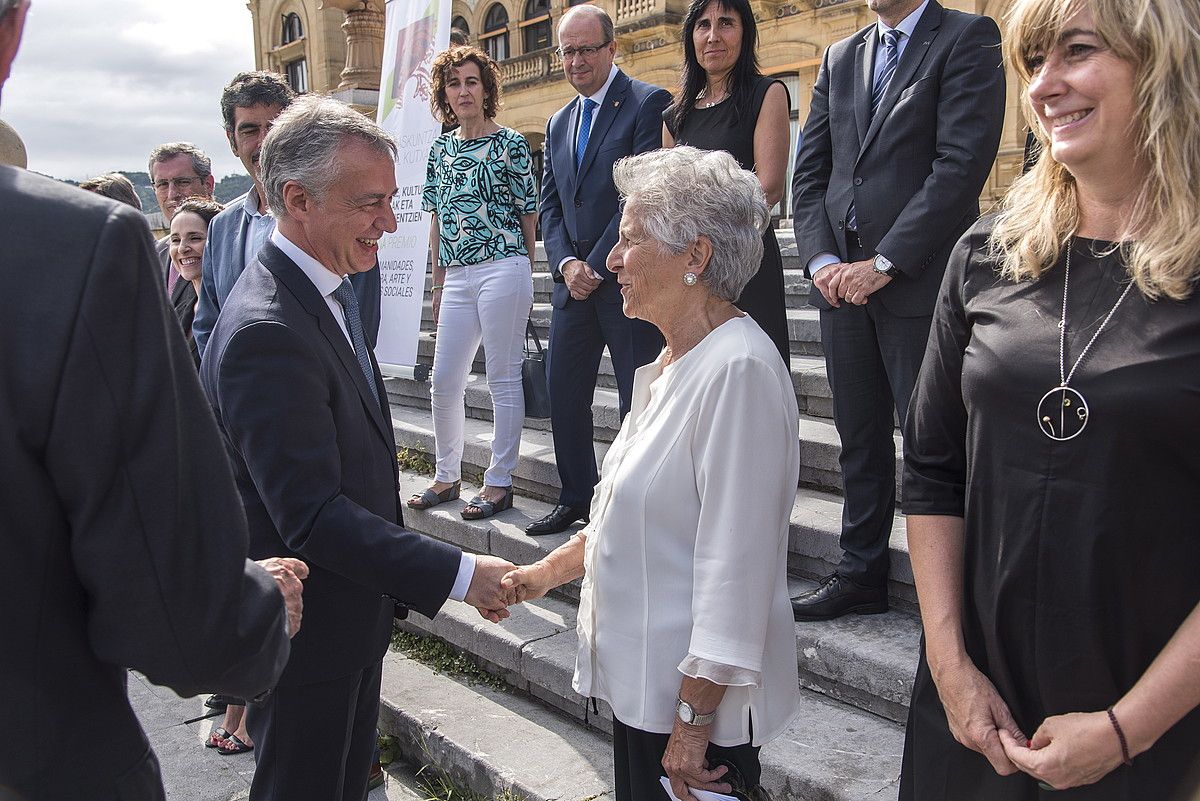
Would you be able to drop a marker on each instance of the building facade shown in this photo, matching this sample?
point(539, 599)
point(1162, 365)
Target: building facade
point(335, 46)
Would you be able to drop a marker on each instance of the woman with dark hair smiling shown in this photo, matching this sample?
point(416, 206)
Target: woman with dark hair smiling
point(725, 103)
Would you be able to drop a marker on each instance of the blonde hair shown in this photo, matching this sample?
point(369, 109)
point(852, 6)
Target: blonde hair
point(1041, 209)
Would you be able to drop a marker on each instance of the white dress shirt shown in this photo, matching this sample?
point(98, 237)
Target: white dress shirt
point(686, 555)
point(327, 282)
point(906, 27)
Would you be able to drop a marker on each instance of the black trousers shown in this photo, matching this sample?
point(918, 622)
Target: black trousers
point(314, 742)
point(872, 358)
point(637, 763)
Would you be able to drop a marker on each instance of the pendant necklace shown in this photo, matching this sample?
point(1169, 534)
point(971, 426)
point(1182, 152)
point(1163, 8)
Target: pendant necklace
point(1063, 412)
point(704, 95)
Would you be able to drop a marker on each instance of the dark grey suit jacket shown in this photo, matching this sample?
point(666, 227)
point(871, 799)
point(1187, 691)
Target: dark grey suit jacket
point(915, 170)
point(315, 461)
point(122, 542)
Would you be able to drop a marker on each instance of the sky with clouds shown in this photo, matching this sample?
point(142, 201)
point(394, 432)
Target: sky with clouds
point(98, 83)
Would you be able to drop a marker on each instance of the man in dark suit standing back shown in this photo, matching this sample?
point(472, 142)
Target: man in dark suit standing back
point(122, 541)
point(613, 117)
point(301, 403)
point(904, 125)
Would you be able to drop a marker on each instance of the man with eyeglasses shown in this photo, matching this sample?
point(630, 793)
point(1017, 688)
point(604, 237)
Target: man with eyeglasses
point(612, 117)
point(178, 170)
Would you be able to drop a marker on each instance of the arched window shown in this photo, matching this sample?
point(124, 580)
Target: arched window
point(292, 28)
point(536, 25)
point(297, 75)
point(460, 23)
point(495, 32)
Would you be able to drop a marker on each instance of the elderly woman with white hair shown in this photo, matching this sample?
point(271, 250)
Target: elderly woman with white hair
point(685, 627)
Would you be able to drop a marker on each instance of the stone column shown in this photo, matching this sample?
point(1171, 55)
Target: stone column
point(364, 42)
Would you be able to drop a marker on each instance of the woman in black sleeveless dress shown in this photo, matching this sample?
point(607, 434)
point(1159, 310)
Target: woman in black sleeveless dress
point(725, 103)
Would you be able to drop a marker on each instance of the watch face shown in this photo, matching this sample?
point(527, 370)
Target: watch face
point(685, 712)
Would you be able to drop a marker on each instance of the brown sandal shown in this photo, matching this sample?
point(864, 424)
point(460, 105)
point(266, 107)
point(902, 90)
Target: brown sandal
point(430, 498)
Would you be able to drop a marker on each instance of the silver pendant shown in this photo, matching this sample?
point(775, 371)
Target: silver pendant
point(1062, 414)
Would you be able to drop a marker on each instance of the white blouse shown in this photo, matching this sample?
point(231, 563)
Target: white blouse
point(686, 556)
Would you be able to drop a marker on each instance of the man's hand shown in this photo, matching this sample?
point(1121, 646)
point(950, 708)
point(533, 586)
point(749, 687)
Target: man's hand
point(827, 280)
point(858, 280)
point(977, 714)
point(486, 593)
point(685, 764)
point(288, 574)
point(580, 279)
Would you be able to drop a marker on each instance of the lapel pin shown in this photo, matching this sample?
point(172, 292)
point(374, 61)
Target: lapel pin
point(616, 104)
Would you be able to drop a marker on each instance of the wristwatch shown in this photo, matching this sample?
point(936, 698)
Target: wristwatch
point(690, 716)
point(884, 266)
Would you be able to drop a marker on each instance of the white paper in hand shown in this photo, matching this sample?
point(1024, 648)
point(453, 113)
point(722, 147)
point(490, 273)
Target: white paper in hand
point(700, 795)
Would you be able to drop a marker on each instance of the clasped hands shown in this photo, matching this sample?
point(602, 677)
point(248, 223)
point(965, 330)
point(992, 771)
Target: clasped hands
point(1066, 750)
point(498, 584)
point(854, 282)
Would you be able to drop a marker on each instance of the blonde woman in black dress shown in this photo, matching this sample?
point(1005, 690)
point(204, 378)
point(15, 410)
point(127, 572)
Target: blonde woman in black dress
point(725, 103)
point(1052, 455)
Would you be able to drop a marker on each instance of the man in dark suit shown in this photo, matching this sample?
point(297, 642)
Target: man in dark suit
point(122, 541)
point(300, 400)
point(613, 117)
point(905, 121)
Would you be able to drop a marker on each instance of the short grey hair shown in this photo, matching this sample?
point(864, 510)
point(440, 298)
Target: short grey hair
point(596, 13)
point(201, 163)
point(303, 143)
point(683, 193)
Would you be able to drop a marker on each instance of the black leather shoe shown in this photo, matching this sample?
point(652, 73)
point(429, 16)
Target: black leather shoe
point(221, 701)
point(559, 520)
point(839, 596)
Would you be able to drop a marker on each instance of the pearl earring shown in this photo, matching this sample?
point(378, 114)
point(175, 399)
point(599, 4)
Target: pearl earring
point(690, 279)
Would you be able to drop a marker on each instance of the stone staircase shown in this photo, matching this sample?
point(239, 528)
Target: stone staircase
point(543, 741)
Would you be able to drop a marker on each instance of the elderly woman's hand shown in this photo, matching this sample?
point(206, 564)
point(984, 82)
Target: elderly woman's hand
point(530, 582)
point(1067, 750)
point(686, 765)
point(977, 714)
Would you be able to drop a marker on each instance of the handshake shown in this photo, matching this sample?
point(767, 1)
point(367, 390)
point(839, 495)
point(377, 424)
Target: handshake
point(498, 584)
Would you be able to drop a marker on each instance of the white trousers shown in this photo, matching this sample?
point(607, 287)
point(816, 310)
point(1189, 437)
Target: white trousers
point(488, 302)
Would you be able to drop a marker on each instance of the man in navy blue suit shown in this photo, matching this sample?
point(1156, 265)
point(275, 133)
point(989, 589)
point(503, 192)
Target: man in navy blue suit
point(613, 117)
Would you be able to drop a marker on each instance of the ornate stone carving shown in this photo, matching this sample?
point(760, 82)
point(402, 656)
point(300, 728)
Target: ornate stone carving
point(364, 27)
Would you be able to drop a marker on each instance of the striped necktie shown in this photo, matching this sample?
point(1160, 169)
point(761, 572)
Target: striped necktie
point(344, 295)
point(891, 56)
point(585, 131)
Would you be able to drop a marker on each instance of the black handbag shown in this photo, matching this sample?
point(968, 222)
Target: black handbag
point(533, 376)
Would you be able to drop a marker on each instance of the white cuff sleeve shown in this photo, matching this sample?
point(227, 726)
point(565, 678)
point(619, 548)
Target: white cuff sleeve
point(821, 260)
point(462, 582)
point(563, 263)
point(726, 675)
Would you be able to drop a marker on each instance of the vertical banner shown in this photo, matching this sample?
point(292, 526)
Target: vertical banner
point(416, 30)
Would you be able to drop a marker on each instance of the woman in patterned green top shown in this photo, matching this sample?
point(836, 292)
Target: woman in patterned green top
point(479, 187)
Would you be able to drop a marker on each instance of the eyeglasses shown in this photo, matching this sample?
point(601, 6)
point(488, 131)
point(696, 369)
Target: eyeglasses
point(180, 183)
point(568, 53)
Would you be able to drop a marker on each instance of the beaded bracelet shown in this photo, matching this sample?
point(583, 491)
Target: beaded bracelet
point(1112, 718)
point(436, 287)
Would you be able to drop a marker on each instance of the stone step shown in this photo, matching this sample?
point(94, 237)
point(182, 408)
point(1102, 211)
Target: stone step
point(804, 327)
point(493, 741)
point(867, 661)
point(537, 474)
point(795, 286)
point(813, 395)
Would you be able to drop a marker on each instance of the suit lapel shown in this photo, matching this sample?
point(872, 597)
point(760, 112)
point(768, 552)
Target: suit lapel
point(291, 276)
point(864, 71)
point(564, 150)
point(914, 53)
point(604, 119)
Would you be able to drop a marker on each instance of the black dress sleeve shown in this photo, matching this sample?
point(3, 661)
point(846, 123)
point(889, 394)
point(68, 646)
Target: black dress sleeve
point(935, 433)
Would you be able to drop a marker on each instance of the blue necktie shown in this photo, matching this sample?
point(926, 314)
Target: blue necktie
point(585, 131)
point(891, 56)
point(344, 295)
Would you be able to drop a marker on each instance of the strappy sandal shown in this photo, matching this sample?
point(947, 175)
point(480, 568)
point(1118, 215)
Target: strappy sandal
point(488, 508)
point(234, 745)
point(217, 737)
point(430, 498)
